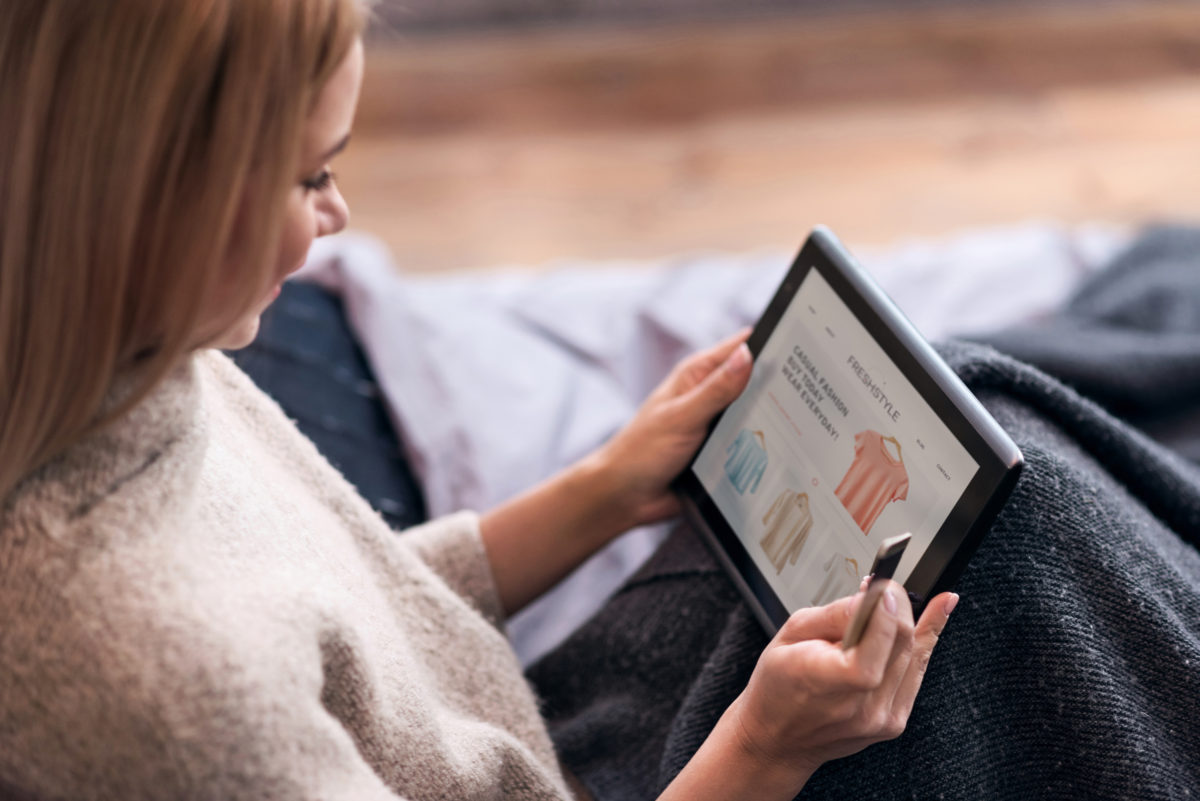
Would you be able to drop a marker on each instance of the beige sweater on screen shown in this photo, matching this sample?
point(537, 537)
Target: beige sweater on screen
point(194, 604)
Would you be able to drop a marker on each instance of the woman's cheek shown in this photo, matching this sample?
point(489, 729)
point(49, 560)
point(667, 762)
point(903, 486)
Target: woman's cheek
point(298, 236)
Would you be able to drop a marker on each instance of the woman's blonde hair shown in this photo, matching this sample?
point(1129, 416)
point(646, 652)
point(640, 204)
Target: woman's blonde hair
point(130, 132)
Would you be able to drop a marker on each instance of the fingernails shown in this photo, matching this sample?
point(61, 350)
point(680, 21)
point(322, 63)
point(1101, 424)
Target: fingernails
point(951, 602)
point(889, 602)
point(739, 360)
point(862, 585)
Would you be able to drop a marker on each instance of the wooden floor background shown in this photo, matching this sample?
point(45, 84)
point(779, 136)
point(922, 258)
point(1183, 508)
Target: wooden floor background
point(480, 149)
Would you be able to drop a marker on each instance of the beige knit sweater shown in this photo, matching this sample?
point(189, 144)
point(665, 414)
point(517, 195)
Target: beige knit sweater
point(194, 604)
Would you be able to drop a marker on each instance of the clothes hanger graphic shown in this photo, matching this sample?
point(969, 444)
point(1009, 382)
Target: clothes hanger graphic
point(895, 442)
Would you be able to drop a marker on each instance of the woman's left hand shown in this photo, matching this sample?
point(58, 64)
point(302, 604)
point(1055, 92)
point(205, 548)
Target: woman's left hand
point(537, 538)
point(655, 446)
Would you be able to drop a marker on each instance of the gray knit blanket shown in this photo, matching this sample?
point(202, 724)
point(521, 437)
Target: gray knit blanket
point(1071, 668)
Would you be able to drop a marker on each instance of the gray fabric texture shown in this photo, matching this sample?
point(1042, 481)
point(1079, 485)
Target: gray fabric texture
point(1071, 668)
point(1130, 339)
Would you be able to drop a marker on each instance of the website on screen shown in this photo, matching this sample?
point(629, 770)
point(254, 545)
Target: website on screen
point(828, 452)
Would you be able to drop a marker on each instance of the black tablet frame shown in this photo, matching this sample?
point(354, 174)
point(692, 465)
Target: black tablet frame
point(999, 459)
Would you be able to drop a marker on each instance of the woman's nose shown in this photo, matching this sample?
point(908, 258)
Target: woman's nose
point(335, 213)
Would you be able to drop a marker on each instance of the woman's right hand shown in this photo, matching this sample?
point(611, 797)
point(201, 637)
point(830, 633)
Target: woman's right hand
point(809, 701)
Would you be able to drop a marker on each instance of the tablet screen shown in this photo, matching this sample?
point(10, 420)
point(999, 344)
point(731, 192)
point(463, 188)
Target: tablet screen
point(828, 452)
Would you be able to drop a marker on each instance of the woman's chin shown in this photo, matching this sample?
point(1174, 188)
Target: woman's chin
point(240, 336)
point(243, 332)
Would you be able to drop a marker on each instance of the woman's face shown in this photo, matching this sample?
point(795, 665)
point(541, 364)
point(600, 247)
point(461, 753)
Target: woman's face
point(315, 206)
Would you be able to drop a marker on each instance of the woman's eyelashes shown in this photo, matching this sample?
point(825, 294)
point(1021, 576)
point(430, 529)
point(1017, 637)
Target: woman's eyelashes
point(320, 182)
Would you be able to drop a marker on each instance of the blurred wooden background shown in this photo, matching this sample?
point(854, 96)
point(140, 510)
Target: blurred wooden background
point(526, 145)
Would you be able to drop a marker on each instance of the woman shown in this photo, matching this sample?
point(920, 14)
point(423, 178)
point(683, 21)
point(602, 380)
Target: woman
point(193, 604)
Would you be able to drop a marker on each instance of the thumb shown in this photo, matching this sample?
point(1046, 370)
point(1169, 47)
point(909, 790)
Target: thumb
point(719, 388)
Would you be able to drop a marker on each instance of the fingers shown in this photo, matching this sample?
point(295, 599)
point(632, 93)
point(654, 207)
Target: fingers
point(695, 368)
point(817, 622)
point(899, 662)
point(925, 637)
point(872, 655)
point(726, 346)
point(716, 390)
point(721, 351)
point(865, 694)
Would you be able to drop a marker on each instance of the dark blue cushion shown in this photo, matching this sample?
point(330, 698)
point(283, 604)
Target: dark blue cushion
point(307, 358)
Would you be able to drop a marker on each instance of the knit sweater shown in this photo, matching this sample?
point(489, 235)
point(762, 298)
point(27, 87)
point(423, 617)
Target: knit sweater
point(194, 604)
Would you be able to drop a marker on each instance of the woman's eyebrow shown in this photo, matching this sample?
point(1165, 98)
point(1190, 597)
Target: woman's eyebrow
point(338, 148)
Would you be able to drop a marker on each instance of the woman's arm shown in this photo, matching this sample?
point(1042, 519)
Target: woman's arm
point(536, 539)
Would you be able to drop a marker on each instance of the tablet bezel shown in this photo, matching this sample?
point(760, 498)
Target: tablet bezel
point(998, 457)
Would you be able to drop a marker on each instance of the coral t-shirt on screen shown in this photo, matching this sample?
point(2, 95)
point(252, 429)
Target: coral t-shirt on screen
point(828, 415)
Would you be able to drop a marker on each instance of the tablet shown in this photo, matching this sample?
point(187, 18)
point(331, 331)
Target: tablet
point(852, 430)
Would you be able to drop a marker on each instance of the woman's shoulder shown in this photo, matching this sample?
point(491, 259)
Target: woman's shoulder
point(132, 668)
